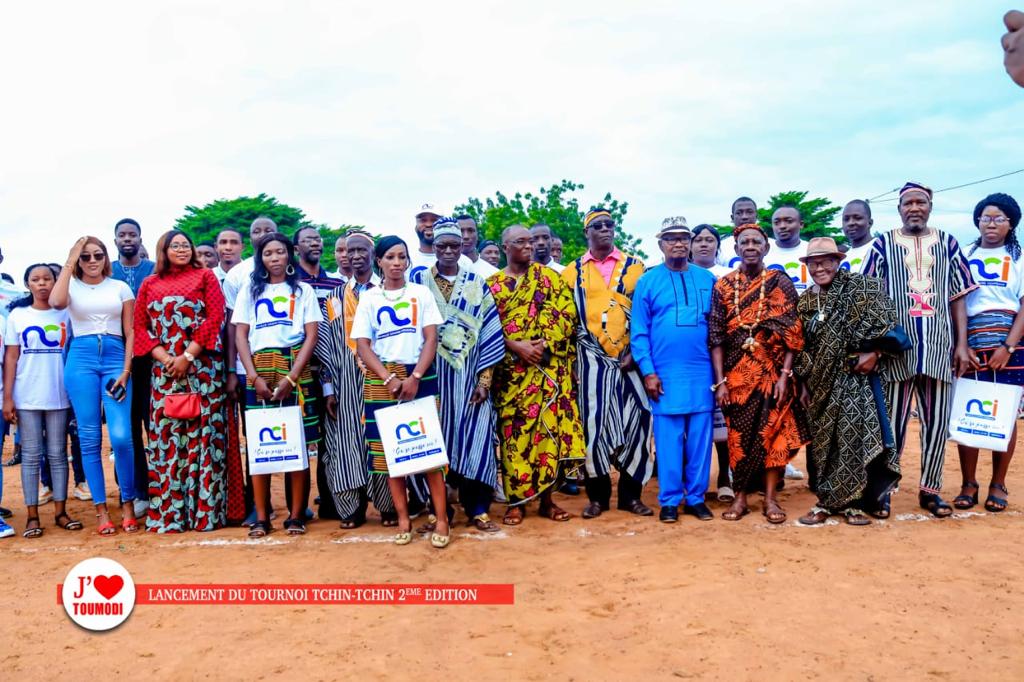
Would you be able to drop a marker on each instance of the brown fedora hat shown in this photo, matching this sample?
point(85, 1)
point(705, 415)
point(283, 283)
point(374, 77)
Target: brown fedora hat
point(822, 246)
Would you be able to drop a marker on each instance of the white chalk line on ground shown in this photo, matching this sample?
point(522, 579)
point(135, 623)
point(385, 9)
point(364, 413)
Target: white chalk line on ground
point(480, 537)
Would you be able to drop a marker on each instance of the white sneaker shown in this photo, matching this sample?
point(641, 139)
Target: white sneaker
point(45, 494)
point(141, 508)
point(81, 492)
point(793, 474)
point(5, 530)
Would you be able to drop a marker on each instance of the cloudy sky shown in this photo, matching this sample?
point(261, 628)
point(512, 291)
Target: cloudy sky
point(358, 113)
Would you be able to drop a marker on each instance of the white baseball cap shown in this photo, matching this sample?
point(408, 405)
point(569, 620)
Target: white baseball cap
point(429, 208)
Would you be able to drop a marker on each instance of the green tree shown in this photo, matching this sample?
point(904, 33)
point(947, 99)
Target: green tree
point(553, 206)
point(817, 215)
point(203, 224)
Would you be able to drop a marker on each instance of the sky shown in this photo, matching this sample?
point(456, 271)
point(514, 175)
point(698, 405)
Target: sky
point(358, 113)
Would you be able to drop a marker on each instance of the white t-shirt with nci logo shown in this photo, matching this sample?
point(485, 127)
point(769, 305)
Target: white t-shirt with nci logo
point(1000, 281)
point(40, 336)
point(788, 260)
point(277, 318)
point(394, 321)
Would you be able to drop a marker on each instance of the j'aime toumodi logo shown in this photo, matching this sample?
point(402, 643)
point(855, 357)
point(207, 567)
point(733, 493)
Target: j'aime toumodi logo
point(98, 594)
point(982, 409)
point(402, 314)
point(999, 274)
point(52, 337)
point(273, 435)
point(413, 430)
point(281, 310)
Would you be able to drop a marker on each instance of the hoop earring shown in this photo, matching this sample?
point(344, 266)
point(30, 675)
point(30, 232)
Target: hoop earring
point(290, 270)
point(265, 275)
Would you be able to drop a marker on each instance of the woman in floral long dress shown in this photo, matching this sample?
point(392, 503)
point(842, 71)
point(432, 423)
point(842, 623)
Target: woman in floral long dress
point(178, 318)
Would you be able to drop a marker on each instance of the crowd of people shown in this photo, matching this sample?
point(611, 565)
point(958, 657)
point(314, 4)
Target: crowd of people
point(545, 375)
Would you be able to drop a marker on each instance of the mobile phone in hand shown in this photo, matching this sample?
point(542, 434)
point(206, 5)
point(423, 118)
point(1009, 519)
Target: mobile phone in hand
point(115, 392)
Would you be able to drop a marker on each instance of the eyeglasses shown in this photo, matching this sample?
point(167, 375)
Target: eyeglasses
point(447, 247)
point(87, 257)
point(519, 243)
point(989, 220)
point(179, 246)
point(675, 240)
point(599, 224)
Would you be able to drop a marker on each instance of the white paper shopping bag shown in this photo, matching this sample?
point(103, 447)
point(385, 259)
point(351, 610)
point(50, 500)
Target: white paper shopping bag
point(984, 414)
point(275, 440)
point(410, 434)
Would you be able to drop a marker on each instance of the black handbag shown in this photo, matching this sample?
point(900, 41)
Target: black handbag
point(892, 342)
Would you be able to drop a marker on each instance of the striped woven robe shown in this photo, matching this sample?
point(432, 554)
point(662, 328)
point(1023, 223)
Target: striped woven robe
point(614, 407)
point(469, 341)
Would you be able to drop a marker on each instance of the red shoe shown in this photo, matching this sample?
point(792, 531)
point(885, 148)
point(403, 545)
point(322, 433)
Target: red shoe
point(130, 525)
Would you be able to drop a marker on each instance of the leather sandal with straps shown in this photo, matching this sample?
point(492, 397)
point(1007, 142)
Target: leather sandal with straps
point(964, 501)
point(996, 504)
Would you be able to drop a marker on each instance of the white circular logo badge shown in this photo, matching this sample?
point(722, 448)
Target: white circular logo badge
point(98, 594)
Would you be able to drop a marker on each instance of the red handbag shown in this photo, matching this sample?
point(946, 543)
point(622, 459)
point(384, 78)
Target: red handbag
point(182, 405)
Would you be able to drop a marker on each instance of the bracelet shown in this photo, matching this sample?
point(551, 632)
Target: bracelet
point(189, 356)
point(291, 381)
point(390, 378)
point(715, 387)
point(417, 376)
point(786, 373)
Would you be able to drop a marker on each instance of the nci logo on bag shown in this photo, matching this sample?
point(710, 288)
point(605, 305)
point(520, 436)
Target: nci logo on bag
point(982, 409)
point(281, 310)
point(998, 276)
point(274, 435)
point(413, 430)
point(401, 318)
point(52, 337)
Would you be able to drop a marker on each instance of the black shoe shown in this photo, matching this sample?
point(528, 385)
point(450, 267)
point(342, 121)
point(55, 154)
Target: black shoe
point(699, 510)
point(5, 513)
point(668, 514)
point(569, 488)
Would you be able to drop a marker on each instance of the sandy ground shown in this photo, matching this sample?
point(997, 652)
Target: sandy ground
point(615, 598)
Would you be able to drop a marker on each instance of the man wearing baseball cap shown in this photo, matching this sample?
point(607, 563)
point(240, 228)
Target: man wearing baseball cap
point(424, 257)
point(669, 340)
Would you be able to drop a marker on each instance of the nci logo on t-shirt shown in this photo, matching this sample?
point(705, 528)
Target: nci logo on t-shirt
point(51, 336)
point(852, 264)
point(402, 318)
point(796, 272)
point(999, 274)
point(281, 310)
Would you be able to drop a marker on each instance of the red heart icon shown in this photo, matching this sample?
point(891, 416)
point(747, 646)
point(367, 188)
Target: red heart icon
point(108, 585)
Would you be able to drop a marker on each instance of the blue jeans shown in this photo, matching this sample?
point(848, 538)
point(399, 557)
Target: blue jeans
point(34, 444)
point(92, 362)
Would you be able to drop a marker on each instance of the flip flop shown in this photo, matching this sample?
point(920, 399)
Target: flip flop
point(730, 515)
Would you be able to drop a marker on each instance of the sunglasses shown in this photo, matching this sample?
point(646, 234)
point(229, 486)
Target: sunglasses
point(598, 224)
point(87, 257)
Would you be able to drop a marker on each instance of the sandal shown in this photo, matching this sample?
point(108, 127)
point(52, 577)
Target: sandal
point(593, 510)
point(855, 517)
point(389, 519)
point(429, 526)
point(129, 525)
point(69, 524)
point(555, 513)
point(404, 537)
point(514, 516)
point(934, 504)
point(32, 532)
point(884, 507)
point(996, 504)
point(733, 515)
point(439, 541)
point(774, 517)
point(352, 522)
point(106, 528)
point(260, 529)
point(963, 501)
point(815, 517)
point(295, 526)
point(482, 522)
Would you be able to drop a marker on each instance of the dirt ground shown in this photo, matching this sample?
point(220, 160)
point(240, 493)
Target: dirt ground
point(619, 597)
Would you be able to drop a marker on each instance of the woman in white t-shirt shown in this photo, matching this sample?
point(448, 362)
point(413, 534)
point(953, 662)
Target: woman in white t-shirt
point(995, 326)
point(395, 329)
point(34, 394)
point(97, 373)
point(276, 318)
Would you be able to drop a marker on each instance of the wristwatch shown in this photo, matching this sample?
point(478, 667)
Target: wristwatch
point(417, 376)
point(189, 356)
point(1008, 347)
